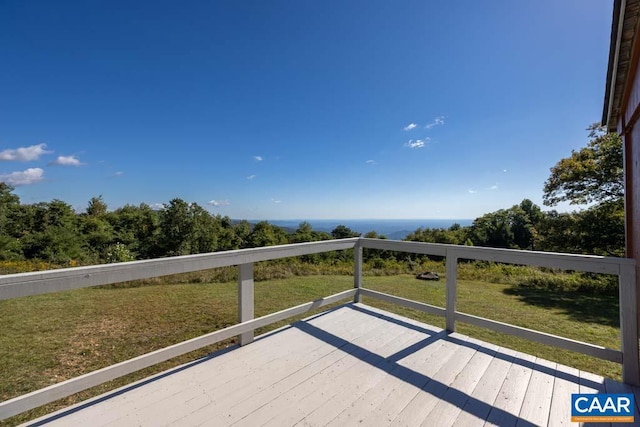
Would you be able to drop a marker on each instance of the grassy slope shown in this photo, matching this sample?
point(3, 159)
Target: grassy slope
point(49, 338)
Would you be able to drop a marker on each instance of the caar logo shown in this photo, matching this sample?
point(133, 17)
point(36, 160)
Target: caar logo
point(604, 408)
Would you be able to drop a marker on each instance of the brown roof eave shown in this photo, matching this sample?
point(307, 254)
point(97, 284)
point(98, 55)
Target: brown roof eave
point(613, 46)
point(624, 36)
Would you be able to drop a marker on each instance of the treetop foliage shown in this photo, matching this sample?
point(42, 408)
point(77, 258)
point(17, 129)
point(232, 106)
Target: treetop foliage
point(592, 174)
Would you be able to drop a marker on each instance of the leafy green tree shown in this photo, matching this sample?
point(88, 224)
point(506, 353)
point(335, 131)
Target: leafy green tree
point(137, 227)
point(343, 232)
point(591, 174)
point(306, 233)
point(8, 203)
point(10, 231)
point(239, 238)
point(524, 220)
point(98, 232)
point(598, 230)
point(266, 234)
point(175, 228)
point(97, 207)
point(493, 230)
point(204, 231)
point(601, 229)
point(55, 235)
point(594, 174)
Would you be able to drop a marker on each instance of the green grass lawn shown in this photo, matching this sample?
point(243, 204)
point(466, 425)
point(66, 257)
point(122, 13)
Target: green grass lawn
point(49, 338)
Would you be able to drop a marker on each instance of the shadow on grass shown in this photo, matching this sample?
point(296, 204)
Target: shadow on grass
point(600, 309)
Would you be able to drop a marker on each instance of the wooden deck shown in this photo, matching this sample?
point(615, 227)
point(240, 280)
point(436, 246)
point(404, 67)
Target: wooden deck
point(354, 365)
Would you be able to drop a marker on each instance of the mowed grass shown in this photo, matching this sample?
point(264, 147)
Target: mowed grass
point(49, 338)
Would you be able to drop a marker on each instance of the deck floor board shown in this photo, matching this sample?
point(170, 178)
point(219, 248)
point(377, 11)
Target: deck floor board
point(353, 365)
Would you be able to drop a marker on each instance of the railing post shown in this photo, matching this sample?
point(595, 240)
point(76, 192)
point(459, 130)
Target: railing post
point(245, 300)
point(629, 324)
point(451, 283)
point(357, 271)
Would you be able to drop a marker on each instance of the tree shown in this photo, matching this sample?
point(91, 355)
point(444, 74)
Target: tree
point(8, 203)
point(265, 234)
point(524, 219)
point(204, 230)
point(493, 230)
point(598, 230)
point(55, 235)
point(592, 174)
point(96, 207)
point(343, 232)
point(137, 227)
point(175, 228)
point(10, 246)
point(515, 227)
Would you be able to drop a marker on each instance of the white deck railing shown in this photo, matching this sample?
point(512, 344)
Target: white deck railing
point(25, 284)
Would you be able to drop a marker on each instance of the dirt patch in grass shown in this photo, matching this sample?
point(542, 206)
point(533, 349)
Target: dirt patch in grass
point(91, 341)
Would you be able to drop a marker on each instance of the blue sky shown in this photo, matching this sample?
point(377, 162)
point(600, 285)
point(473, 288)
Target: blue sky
point(298, 109)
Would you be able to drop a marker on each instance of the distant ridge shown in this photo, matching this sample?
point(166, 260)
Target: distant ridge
point(395, 229)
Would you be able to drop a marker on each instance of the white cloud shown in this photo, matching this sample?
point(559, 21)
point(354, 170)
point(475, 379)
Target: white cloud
point(250, 177)
point(472, 191)
point(417, 143)
point(218, 203)
point(437, 121)
point(257, 158)
point(24, 154)
point(27, 177)
point(504, 170)
point(493, 187)
point(276, 201)
point(157, 206)
point(371, 162)
point(119, 173)
point(410, 126)
point(66, 161)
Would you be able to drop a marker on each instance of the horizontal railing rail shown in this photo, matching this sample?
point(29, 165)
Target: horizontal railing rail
point(624, 268)
point(40, 282)
point(34, 283)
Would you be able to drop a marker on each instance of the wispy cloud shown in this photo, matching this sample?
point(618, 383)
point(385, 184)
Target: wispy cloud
point(504, 170)
point(437, 121)
point(218, 203)
point(472, 191)
point(24, 154)
point(416, 143)
point(493, 187)
point(410, 126)
point(250, 177)
point(119, 173)
point(371, 162)
point(27, 177)
point(276, 201)
point(258, 158)
point(66, 161)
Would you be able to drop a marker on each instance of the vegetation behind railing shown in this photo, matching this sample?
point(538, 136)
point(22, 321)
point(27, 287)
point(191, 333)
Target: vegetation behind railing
point(43, 282)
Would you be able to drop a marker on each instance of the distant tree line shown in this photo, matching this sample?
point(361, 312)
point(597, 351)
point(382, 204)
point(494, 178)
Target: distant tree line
point(54, 232)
